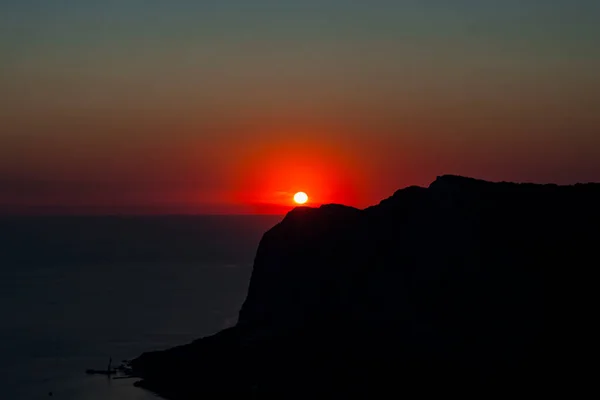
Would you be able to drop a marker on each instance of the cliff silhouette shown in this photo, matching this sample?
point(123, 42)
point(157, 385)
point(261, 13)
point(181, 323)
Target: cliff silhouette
point(463, 285)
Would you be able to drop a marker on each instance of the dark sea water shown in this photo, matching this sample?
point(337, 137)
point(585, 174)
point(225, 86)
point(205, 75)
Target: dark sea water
point(75, 291)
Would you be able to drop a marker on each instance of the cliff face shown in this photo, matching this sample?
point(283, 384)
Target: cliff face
point(462, 273)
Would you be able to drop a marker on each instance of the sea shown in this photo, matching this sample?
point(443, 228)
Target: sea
point(76, 291)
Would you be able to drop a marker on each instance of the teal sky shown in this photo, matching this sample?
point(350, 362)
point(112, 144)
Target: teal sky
point(165, 102)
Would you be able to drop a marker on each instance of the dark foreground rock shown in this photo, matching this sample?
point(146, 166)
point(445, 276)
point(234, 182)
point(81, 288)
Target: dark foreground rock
point(463, 286)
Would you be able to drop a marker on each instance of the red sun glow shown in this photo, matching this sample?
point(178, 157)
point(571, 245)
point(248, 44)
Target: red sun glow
point(300, 198)
point(277, 175)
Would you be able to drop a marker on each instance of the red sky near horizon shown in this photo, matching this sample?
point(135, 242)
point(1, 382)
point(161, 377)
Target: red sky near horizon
point(191, 108)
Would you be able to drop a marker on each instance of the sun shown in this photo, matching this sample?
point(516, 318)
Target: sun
point(300, 198)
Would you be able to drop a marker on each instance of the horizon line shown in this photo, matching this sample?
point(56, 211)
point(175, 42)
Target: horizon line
point(76, 214)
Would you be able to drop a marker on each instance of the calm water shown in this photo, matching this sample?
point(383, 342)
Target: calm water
point(76, 290)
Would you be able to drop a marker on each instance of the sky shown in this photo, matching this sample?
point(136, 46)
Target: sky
point(153, 106)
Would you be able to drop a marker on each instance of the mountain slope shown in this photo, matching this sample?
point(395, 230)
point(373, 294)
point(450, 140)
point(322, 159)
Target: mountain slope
point(463, 283)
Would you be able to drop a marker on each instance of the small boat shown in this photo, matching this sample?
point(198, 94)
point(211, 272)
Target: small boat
point(101, 372)
point(108, 371)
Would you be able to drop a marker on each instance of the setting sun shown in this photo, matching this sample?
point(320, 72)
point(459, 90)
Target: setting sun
point(300, 198)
